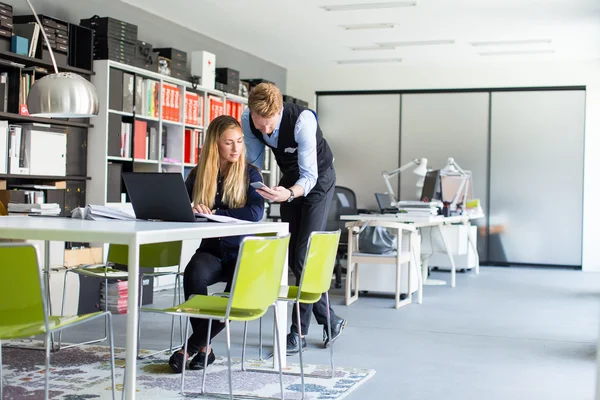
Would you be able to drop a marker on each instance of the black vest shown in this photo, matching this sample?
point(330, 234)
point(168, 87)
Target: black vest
point(288, 160)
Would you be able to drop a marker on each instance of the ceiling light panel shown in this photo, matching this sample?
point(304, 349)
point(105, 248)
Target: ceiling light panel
point(371, 61)
point(416, 43)
point(515, 52)
point(384, 25)
point(369, 48)
point(369, 6)
point(511, 42)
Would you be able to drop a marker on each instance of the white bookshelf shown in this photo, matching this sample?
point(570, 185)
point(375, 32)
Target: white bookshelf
point(98, 157)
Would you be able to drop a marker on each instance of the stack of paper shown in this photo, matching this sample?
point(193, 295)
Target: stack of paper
point(418, 208)
point(221, 218)
point(98, 213)
point(41, 209)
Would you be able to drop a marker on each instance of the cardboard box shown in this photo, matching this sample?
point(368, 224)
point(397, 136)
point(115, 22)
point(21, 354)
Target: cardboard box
point(77, 257)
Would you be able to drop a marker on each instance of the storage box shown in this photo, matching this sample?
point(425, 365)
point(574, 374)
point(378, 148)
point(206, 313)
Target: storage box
point(228, 76)
point(19, 45)
point(204, 66)
point(150, 63)
point(172, 54)
point(6, 21)
point(178, 73)
point(7, 8)
point(110, 27)
point(46, 150)
point(86, 256)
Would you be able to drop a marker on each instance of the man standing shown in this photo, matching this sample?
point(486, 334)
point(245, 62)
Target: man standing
point(305, 190)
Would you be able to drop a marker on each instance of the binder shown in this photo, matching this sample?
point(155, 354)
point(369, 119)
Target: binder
point(3, 147)
point(17, 161)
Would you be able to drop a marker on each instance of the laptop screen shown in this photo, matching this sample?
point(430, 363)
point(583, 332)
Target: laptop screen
point(383, 201)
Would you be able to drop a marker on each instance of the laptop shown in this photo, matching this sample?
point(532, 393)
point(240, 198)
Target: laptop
point(159, 196)
point(431, 187)
point(384, 203)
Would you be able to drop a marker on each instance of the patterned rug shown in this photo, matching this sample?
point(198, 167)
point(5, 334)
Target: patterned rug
point(84, 373)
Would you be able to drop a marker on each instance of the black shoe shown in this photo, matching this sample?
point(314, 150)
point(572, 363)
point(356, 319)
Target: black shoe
point(197, 362)
point(177, 362)
point(336, 330)
point(292, 344)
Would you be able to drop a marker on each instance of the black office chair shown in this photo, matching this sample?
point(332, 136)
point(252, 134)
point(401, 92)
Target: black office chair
point(343, 203)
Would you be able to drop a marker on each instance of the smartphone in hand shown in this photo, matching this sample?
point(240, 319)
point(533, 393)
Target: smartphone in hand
point(259, 185)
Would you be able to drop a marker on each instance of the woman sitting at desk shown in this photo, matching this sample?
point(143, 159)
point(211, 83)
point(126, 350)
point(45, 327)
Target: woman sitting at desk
point(220, 185)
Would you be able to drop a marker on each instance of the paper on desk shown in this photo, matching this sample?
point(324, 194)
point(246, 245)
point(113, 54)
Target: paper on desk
point(221, 218)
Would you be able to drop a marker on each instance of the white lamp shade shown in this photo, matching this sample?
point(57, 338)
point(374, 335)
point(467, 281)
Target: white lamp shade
point(421, 169)
point(450, 169)
point(63, 95)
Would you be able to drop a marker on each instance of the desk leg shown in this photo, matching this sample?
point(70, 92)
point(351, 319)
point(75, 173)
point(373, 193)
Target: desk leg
point(414, 237)
point(282, 310)
point(474, 248)
point(450, 256)
point(132, 318)
point(47, 284)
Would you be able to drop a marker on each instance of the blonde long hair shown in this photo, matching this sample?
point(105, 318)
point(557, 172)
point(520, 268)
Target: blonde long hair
point(235, 184)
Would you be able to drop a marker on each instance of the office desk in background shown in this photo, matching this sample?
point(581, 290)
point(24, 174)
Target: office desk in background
point(133, 234)
point(432, 222)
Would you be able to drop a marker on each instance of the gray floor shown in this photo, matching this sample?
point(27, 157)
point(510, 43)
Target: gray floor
point(509, 333)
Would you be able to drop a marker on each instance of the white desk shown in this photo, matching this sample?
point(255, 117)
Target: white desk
point(134, 234)
point(424, 222)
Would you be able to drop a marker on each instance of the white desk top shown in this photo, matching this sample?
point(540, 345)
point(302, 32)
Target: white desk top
point(121, 232)
point(418, 221)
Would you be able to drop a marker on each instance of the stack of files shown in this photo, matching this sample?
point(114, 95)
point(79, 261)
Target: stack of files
point(418, 208)
point(39, 209)
point(113, 39)
point(101, 213)
point(117, 295)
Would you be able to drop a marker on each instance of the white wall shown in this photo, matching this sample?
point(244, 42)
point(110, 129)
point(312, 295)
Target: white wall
point(303, 83)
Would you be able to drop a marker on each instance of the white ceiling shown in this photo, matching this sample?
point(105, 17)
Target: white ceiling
point(299, 33)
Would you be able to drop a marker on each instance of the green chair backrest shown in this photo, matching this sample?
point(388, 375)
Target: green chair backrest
point(320, 261)
point(154, 255)
point(21, 300)
point(258, 273)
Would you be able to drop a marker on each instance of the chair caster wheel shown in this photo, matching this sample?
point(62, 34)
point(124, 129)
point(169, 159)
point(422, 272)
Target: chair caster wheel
point(462, 270)
point(403, 296)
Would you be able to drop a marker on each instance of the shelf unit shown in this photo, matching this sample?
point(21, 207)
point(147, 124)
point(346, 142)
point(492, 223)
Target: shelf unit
point(168, 132)
point(15, 67)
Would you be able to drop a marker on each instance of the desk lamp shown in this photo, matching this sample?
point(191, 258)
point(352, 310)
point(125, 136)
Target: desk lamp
point(452, 168)
point(61, 94)
point(420, 165)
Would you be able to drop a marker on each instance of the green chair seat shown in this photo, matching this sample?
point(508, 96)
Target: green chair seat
point(305, 297)
point(100, 271)
point(201, 306)
point(23, 330)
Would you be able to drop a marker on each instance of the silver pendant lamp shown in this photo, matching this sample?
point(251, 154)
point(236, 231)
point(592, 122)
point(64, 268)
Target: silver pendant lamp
point(61, 94)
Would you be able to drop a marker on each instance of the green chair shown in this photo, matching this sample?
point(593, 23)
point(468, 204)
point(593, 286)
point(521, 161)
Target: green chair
point(255, 287)
point(23, 308)
point(155, 255)
point(314, 282)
